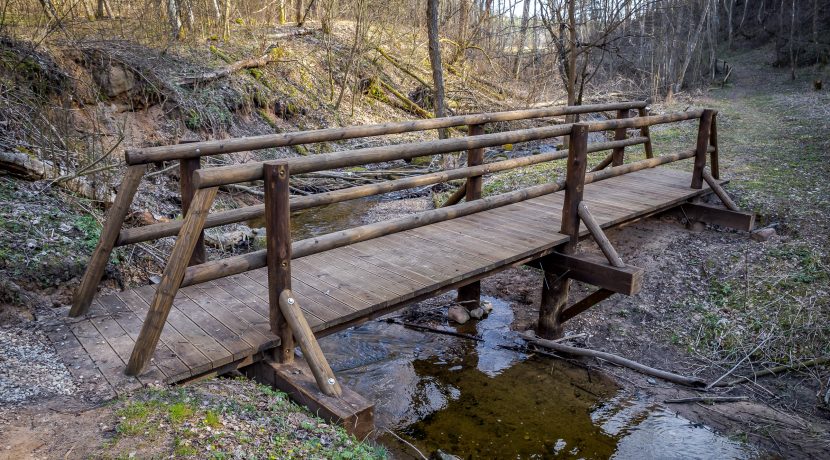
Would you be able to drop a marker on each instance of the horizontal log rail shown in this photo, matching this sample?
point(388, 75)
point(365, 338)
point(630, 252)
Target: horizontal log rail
point(165, 229)
point(207, 148)
point(226, 175)
point(239, 264)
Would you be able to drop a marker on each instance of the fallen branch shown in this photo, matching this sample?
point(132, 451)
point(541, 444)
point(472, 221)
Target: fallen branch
point(784, 368)
point(251, 63)
point(618, 360)
point(707, 399)
point(425, 328)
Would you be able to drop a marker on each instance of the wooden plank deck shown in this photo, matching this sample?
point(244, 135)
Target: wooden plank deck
point(217, 323)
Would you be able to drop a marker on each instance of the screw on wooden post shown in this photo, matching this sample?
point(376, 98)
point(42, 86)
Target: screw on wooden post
point(186, 168)
point(278, 247)
point(618, 154)
point(470, 295)
point(702, 147)
point(644, 132)
point(714, 162)
point(308, 343)
point(556, 283)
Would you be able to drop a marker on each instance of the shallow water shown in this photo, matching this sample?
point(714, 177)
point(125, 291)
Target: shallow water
point(476, 400)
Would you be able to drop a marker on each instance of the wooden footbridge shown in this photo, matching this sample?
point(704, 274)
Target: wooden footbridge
point(250, 311)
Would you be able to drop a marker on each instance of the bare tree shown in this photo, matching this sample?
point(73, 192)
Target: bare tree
point(435, 62)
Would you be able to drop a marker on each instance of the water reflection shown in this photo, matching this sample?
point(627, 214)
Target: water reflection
point(476, 400)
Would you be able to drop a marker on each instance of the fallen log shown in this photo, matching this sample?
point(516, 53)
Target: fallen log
point(21, 165)
point(251, 63)
point(618, 360)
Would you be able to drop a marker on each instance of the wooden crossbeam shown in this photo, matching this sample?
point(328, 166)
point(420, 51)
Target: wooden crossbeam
point(599, 236)
point(592, 270)
point(349, 409)
point(589, 301)
point(738, 220)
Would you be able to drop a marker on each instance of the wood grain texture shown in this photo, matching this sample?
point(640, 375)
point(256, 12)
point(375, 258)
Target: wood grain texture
point(278, 242)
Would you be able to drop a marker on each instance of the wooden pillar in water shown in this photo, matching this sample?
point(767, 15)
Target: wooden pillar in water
point(470, 295)
point(278, 241)
point(556, 283)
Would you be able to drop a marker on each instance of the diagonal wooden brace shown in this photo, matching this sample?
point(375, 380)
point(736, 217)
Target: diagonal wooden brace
point(308, 343)
point(599, 236)
point(171, 280)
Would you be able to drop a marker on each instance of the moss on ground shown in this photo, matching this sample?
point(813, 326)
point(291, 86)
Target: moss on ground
point(224, 418)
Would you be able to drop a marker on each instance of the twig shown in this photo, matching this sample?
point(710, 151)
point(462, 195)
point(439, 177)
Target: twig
point(737, 365)
point(665, 375)
point(707, 399)
point(407, 443)
point(787, 367)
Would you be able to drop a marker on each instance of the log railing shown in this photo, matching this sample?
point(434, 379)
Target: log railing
point(189, 156)
point(286, 317)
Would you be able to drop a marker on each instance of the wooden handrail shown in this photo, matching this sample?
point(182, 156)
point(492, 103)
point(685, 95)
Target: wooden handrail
point(164, 229)
point(245, 262)
point(225, 175)
point(200, 149)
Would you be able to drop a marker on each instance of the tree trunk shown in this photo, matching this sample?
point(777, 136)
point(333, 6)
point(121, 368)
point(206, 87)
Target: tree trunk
point(281, 13)
point(522, 38)
point(435, 62)
point(173, 19)
point(298, 13)
point(226, 21)
point(690, 49)
point(461, 39)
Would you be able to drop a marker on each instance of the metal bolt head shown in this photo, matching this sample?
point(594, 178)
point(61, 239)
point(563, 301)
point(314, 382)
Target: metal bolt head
point(331, 381)
point(290, 301)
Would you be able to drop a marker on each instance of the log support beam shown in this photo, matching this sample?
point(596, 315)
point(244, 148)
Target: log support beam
point(703, 141)
point(556, 282)
point(626, 280)
point(83, 295)
point(698, 212)
point(171, 280)
point(187, 167)
point(470, 295)
point(278, 254)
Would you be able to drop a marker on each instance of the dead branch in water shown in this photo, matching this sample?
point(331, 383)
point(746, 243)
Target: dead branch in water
point(707, 399)
point(618, 360)
point(425, 328)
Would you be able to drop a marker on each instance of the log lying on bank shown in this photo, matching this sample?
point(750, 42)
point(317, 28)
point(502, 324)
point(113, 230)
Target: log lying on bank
point(250, 63)
point(24, 166)
point(618, 360)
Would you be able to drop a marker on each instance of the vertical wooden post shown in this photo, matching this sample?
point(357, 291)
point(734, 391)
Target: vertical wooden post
point(702, 146)
point(618, 154)
point(645, 133)
point(556, 283)
point(470, 295)
point(171, 279)
point(278, 238)
point(713, 141)
point(186, 168)
point(116, 214)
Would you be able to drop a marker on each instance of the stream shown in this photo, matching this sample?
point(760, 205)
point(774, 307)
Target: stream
point(476, 400)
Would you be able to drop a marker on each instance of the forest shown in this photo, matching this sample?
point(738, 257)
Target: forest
point(726, 345)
